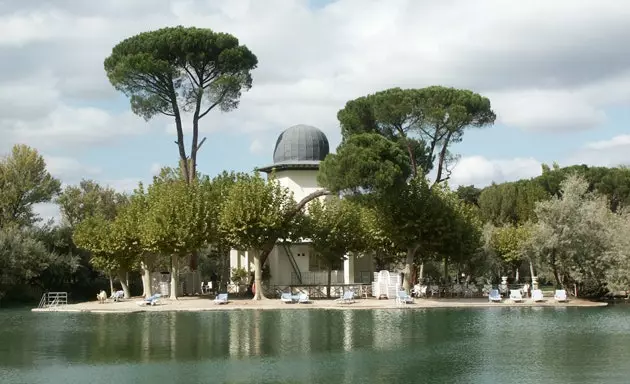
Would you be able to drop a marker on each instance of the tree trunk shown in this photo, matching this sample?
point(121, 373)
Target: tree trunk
point(225, 271)
point(145, 268)
point(122, 276)
point(421, 273)
point(531, 270)
point(446, 270)
point(329, 282)
point(442, 159)
point(259, 295)
point(411, 253)
point(174, 276)
point(517, 275)
point(111, 284)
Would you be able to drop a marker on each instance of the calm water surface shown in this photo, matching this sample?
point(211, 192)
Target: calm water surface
point(495, 345)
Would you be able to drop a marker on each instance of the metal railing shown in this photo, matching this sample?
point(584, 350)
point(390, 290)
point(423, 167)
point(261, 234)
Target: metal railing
point(53, 300)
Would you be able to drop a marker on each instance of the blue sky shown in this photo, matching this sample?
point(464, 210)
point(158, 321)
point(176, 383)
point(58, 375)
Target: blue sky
point(557, 75)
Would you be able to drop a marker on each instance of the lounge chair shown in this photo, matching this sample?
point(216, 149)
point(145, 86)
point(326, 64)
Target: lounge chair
point(537, 295)
point(118, 295)
point(348, 297)
point(303, 298)
point(151, 300)
point(286, 297)
point(560, 295)
point(222, 298)
point(403, 298)
point(494, 296)
point(515, 295)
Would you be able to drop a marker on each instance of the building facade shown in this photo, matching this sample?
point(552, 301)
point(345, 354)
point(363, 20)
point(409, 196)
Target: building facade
point(296, 158)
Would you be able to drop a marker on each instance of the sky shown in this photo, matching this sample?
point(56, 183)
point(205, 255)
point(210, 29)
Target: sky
point(557, 75)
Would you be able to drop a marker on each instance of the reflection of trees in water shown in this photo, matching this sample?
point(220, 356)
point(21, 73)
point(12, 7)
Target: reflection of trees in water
point(481, 345)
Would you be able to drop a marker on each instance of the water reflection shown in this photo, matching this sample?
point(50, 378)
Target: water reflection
point(481, 345)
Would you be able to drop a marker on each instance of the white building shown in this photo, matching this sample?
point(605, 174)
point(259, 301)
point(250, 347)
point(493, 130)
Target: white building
point(296, 158)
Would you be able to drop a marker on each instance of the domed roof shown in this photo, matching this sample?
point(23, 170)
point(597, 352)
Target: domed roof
point(300, 143)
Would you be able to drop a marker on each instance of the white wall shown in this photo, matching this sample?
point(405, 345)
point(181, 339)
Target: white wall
point(301, 182)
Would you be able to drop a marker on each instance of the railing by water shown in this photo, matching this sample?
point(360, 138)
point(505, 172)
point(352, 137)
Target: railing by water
point(53, 300)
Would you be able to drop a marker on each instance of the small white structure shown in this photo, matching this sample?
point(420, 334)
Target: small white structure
point(386, 284)
point(296, 158)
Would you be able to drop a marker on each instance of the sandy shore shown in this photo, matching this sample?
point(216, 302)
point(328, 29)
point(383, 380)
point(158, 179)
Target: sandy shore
point(199, 304)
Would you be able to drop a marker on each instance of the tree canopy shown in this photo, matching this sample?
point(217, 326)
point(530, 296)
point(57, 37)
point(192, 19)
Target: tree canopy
point(174, 70)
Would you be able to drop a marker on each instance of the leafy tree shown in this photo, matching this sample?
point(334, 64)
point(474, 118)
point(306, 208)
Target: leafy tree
point(89, 199)
point(175, 222)
point(255, 214)
point(573, 235)
point(425, 122)
point(174, 70)
point(99, 236)
point(334, 227)
point(24, 181)
point(510, 244)
point(469, 194)
point(22, 258)
point(365, 163)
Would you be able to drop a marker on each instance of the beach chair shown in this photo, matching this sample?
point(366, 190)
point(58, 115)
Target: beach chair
point(403, 298)
point(222, 298)
point(560, 295)
point(303, 298)
point(494, 296)
point(151, 300)
point(118, 295)
point(516, 296)
point(537, 295)
point(348, 297)
point(286, 297)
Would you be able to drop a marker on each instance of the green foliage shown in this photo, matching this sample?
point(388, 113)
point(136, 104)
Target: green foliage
point(469, 194)
point(162, 68)
point(254, 212)
point(22, 258)
point(334, 227)
point(511, 203)
point(239, 275)
point(24, 181)
point(176, 218)
point(574, 234)
point(509, 242)
point(365, 163)
point(88, 199)
point(423, 122)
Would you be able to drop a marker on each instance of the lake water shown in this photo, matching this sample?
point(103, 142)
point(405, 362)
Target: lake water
point(492, 345)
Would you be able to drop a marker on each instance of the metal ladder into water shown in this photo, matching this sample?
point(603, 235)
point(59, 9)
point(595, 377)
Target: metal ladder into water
point(53, 300)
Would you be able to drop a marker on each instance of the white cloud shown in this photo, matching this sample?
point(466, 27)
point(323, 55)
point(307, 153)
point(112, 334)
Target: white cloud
point(607, 153)
point(48, 211)
point(155, 169)
point(547, 66)
point(481, 172)
point(69, 169)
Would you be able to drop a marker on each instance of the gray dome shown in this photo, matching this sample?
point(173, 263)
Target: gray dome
point(301, 143)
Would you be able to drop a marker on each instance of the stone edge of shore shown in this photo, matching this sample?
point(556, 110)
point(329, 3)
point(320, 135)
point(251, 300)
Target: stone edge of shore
point(355, 306)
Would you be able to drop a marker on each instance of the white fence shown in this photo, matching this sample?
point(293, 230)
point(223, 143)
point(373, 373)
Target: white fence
point(318, 278)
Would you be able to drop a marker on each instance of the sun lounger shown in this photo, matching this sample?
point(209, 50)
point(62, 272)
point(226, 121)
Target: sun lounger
point(560, 295)
point(303, 298)
point(286, 297)
point(222, 298)
point(348, 297)
point(151, 300)
point(118, 295)
point(494, 296)
point(403, 298)
point(537, 295)
point(515, 295)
